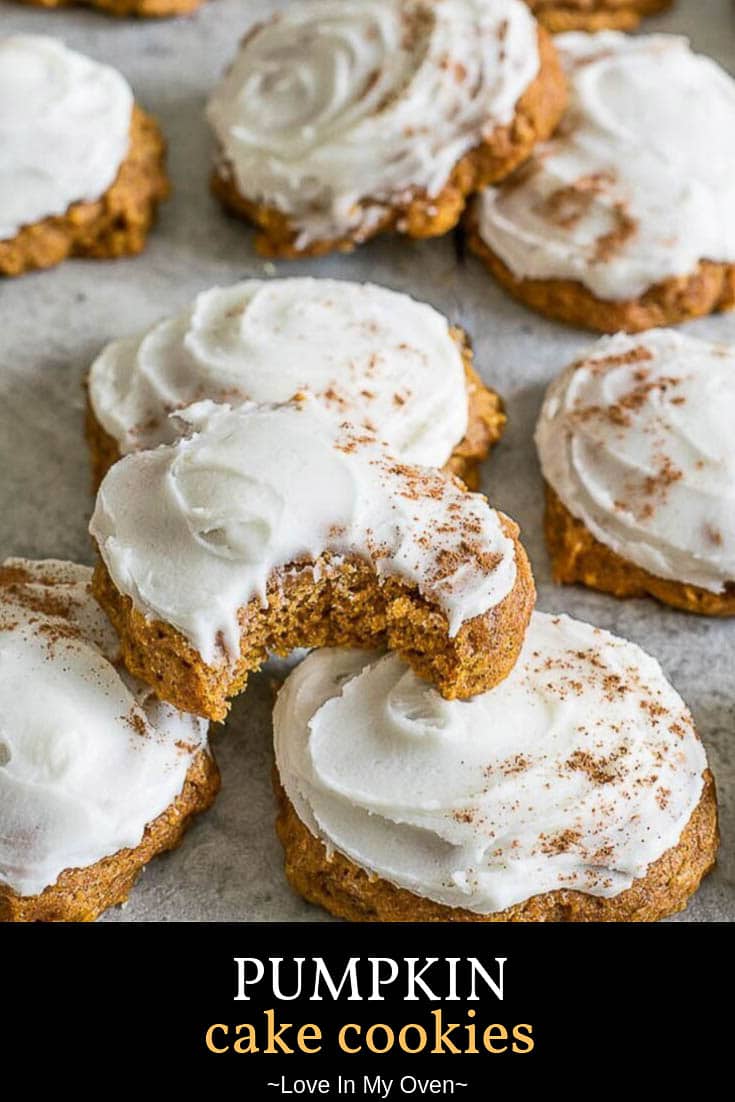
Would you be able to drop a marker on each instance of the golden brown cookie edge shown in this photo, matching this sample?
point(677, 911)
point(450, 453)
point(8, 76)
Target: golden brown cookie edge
point(117, 224)
point(81, 895)
point(578, 557)
point(144, 9)
point(709, 289)
point(348, 606)
point(538, 111)
point(558, 17)
point(348, 891)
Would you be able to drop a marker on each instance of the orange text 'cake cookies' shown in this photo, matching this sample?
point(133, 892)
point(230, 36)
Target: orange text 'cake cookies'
point(594, 15)
point(273, 527)
point(377, 358)
point(96, 775)
point(626, 218)
point(577, 790)
point(637, 448)
point(342, 118)
point(82, 166)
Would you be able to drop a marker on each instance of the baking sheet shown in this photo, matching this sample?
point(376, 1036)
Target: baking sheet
point(53, 323)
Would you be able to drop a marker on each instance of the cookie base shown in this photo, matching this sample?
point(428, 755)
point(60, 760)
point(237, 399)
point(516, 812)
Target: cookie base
point(594, 15)
point(709, 289)
point(578, 557)
point(115, 225)
point(81, 895)
point(152, 9)
point(537, 113)
point(486, 421)
point(328, 604)
point(347, 891)
point(485, 425)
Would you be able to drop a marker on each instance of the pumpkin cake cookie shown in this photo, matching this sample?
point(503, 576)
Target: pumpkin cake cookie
point(154, 9)
point(96, 775)
point(83, 167)
point(273, 527)
point(637, 449)
point(340, 119)
point(625, 219)
point(378, 358)
point(594, 15)
point(577, 790)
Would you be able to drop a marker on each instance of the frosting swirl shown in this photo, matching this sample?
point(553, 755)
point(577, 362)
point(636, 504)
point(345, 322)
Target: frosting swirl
point(373, 356)
point(64, 129)
point(554, 779)
point(637, 441)
point(88, 756)
point(332, 111)
point(261, 488)
point(637, 186)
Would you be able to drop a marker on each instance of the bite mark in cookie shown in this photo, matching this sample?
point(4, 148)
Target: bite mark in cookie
point(290, 528)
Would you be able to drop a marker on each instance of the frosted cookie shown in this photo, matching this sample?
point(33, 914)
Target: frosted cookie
point(577, 790)
point(594, 15)
point(275, 527)
point(375, 357)
point(145, 8)
point(625, 219)
point(96, 775)
point(339, 119)
point(637, 449)
point(82, 168)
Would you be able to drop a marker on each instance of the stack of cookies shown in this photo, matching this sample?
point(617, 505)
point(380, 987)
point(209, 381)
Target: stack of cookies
point(294, 463)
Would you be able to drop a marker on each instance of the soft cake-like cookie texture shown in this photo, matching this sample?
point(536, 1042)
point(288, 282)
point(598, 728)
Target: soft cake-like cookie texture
point(74, 181)
point(339, 119)
point(594, 15)
point(625, 219)
point(96, 775)
point(637, 448)
point(154, 9)
point(376, 357)
point(576, 790)
point(274, 527)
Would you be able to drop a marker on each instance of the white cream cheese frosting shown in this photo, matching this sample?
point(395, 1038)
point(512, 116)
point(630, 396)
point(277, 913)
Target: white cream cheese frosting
point(193, 531)
point(64, 129)
point(637, 441)
point(576, 772)
point(374, 356)
point(335, 102)
point(637, 186)
point(88, 756)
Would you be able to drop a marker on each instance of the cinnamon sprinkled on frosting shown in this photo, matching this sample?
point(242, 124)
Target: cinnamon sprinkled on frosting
point(337, 109)
point(636, 440)
point(372, 356)
point(257, 489)
point(564, 775)
point(636, 186)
